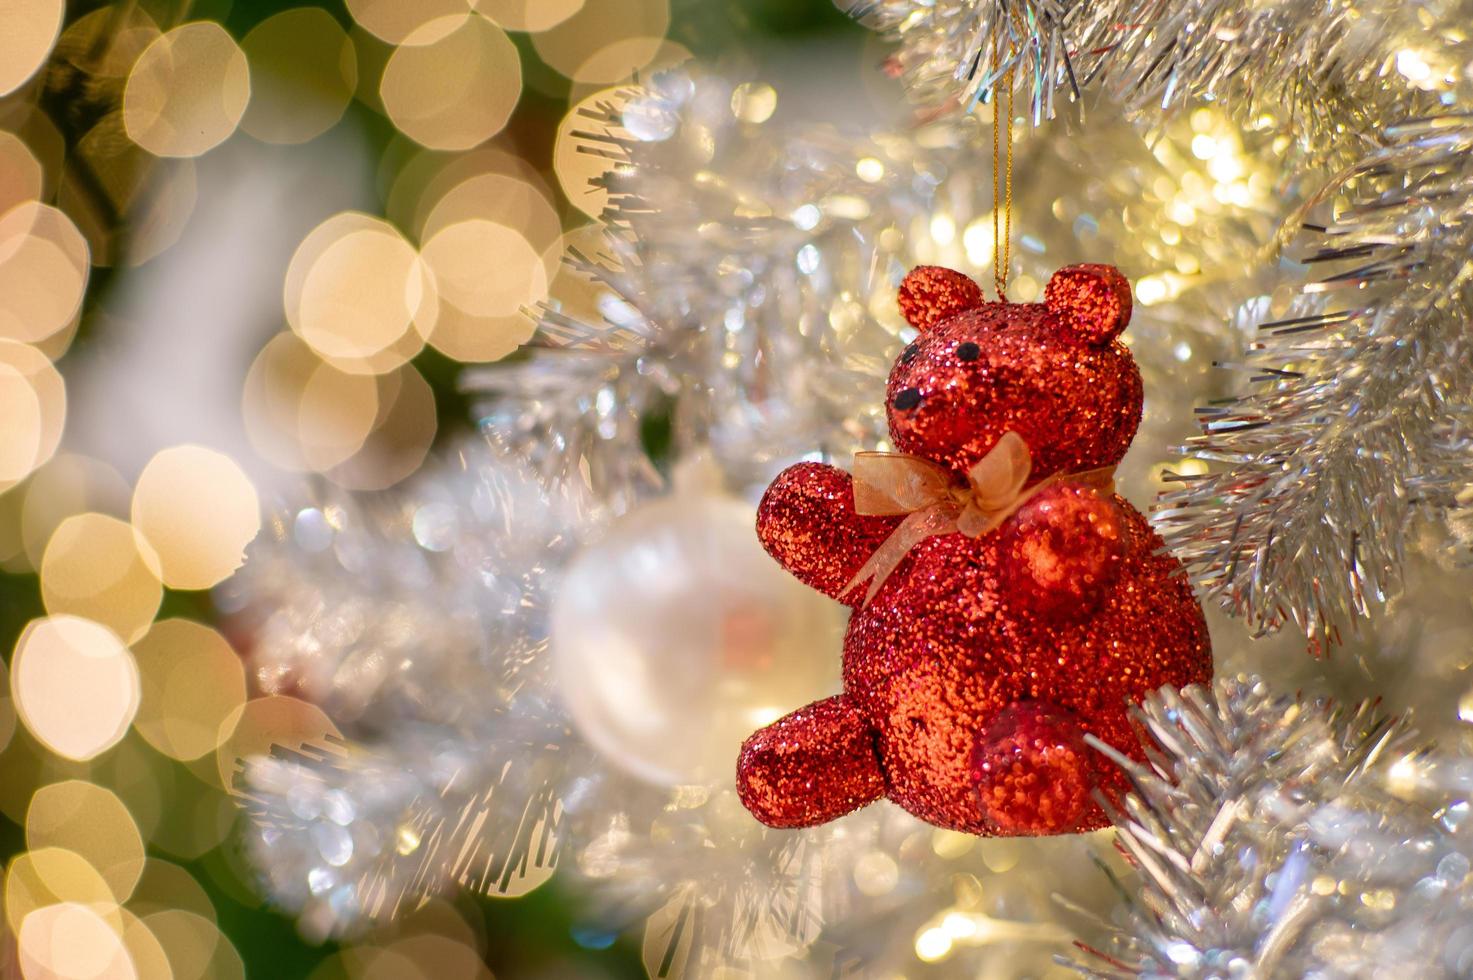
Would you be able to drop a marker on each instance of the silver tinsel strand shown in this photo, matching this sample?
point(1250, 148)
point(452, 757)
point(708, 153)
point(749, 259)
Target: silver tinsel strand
point(1361, 400)
point(1276, 837)
point(1329, 74)
point(953, 55)
point(417, 620)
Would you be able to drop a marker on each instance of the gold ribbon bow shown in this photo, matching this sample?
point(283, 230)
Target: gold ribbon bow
point(891, 484)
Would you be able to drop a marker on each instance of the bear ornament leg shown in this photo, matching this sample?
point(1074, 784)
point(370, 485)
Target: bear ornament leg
point(1033, 772)
point(810, 766)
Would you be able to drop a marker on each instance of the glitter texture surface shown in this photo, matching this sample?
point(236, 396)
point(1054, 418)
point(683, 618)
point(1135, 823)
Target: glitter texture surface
point(982, 662)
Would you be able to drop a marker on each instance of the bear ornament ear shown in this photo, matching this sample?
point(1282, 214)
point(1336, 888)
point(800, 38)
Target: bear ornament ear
point(1094, 300)
point(930, 294)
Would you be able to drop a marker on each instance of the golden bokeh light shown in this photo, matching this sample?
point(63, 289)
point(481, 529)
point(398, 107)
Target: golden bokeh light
point(94, 567)
point(73, 942)
point(570, 46)
point(66, 485)
point(302, 413)
point(144, 949)
point(625, 59)
point(165, 885)
point(453, 90)
point(478, 339)
point(401, 435)
point(254, 727)
point(485, 268)
point(43, 272)
point(189, 940)
point(198, 510)
point(190, 681)
point(575, 169)
point(356, 290)
point(361, 295)
point(31, 29)
point(21, 177)
point(395, 20)
point(91, 822)
point(74, 684)
point(28, 440)
point(187, 92)
point(303, 73)
point(529, 15)
point(20, 426)
point(49, 875)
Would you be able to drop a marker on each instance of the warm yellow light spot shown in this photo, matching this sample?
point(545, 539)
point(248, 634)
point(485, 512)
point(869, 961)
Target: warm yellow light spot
point(1204, 147)
point(755, 102)
point(876, 873)
point(187, 92)
point(357, 292)
point(255, 726)
point(165, 885)
point(531, 16)
point(512, 200)
point(626, 59)
point(304, 414)
point(66, 485)
point(194, 945)
point(486, 269)
point(72, 941)
point(31, 28)
point(148, 956)
point(190, 682)
point(94, 567)
point(92, 822)
point(336, 414)
point(20, 172)
point(303, 73)
point(395, 21)
point(977, 241)
point(568, 46)
point(1412, 65)
point(75, 685)
point(43, 877)
point(943, 229)
point(577, 170)
point(933, 944)
point(870, 170)
point(453, 90)
point(44, 264)
point(401, 435)
point(198, 511)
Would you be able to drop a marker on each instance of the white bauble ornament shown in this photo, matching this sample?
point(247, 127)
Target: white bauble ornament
point(675, 637)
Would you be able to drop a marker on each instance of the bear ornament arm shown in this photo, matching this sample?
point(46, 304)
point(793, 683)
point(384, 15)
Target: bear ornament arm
point(807, 522)
point(1062, 551)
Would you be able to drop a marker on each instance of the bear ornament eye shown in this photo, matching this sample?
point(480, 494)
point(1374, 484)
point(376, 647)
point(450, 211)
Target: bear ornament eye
point(968, 352)
point(908, 399)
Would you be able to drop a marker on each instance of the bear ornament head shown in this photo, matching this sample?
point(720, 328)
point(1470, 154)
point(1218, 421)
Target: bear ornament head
point(1053, 372)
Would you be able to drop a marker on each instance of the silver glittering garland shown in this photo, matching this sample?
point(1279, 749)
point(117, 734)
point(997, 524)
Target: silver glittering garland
point(1277, 837)
point(1328, 74)
point(1357, 418)
point(417, 620)
point(953, 54)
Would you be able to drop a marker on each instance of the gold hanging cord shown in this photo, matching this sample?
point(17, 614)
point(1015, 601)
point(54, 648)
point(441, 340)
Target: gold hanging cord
point(1002, 186)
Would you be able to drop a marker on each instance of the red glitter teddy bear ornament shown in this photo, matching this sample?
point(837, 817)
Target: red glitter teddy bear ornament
point(1014, 601)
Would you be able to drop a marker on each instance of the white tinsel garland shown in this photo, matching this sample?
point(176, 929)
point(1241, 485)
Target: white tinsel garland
point(1276, 837)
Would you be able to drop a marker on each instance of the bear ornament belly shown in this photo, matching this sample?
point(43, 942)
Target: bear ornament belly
point(1007, 602)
